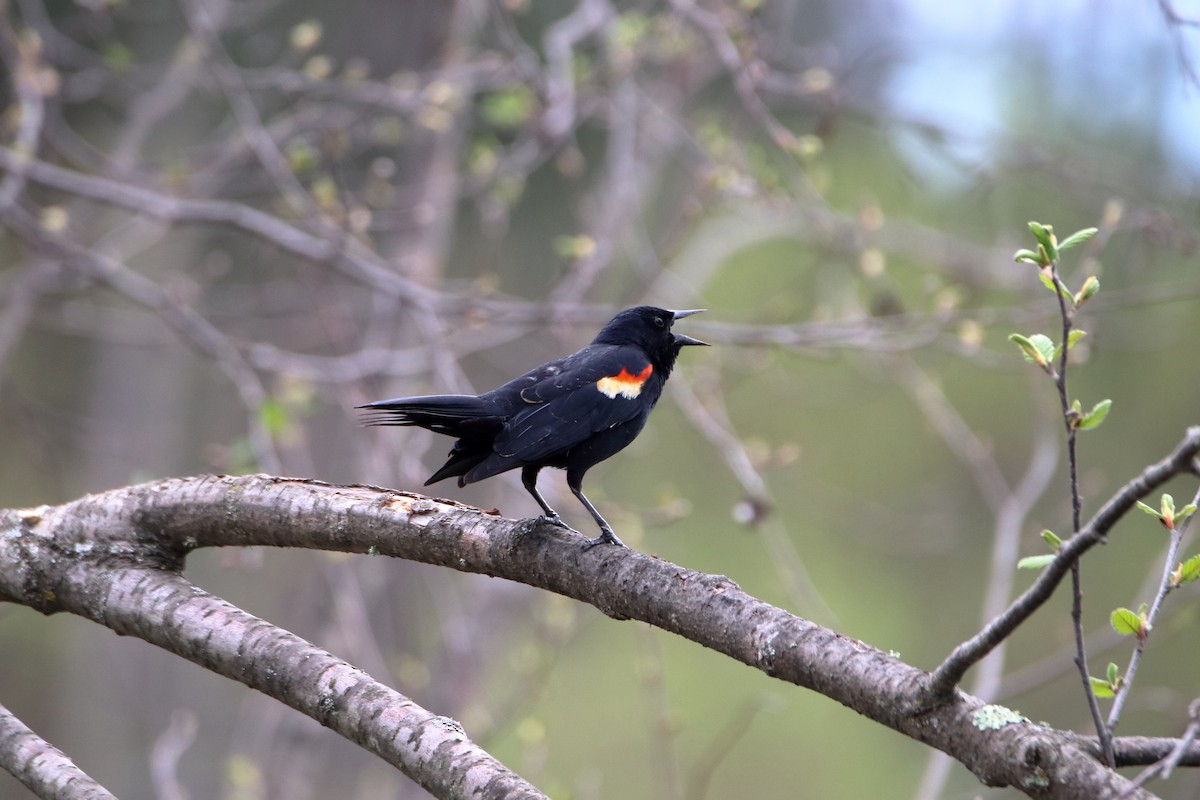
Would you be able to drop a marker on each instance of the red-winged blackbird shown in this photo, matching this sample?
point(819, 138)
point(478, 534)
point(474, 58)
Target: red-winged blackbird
point(571, 413)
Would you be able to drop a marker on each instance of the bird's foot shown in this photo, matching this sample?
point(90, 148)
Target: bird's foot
point(555, 520)
point(606, 537)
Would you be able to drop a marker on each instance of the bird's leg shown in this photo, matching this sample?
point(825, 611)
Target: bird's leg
point(606, 532)
point(550, 516)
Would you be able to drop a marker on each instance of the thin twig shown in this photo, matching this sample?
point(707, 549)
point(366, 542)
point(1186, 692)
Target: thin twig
point(713, 422)
point(21, 55)
point(949, 673)
point(1070, 423)
point(183, 319)
point(1009, 509)
point(1175, 757)
point(1165, 586)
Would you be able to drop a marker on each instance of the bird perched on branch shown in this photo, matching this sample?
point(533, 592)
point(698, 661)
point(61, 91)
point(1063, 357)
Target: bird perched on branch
point(571, 413)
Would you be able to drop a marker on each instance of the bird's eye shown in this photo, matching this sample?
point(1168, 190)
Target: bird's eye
point(660, 322)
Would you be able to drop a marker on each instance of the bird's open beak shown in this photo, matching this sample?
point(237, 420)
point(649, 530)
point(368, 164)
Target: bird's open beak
point(680, 339)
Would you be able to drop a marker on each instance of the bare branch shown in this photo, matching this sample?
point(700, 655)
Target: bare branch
point(21, 56)
point(589, 18)
point(181, 318)
point(105, 568)
point(41, 766)
point(134, 590)
point(1183, 751)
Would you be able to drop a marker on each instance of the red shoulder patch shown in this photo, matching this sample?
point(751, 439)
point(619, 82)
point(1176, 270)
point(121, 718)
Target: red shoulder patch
point(624, 383)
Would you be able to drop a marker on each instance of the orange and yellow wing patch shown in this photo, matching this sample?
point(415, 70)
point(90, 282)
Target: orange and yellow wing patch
point(624, 383)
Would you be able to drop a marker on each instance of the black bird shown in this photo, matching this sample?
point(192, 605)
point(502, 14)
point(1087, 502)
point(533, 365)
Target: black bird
point(571, 413)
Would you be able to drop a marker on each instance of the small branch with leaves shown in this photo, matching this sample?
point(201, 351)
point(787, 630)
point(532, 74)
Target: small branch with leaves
point(1046, 258)
point(1065, 555)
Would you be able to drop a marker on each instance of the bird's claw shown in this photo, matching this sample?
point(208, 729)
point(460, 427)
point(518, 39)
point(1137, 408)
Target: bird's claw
point(555, 520)
point(606, 537)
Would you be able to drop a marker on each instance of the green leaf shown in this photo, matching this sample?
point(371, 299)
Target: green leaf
point(1036, 562)
point(118, 58)
point(631, 28)
point(1126, 622)
point(575, 247)
point(1073, 337)
point(1093, 418)
point(301, 157)
point(273, 416)
point(1087, 291)
point(1037, 349)
point(1052, 539)
point(1102, 688)
point(1189, 571)
point(510, 107)
point(1044, 346)
point(1076, 238)
point(1024, 256)
point(1113, 673)
point(1185, 512)
point(1045, 239)
point(1151, 511)
point(1167, 505)
point(1051, 282)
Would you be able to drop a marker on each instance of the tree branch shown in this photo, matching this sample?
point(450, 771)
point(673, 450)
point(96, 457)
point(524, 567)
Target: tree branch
point(41, 766)
point(114, 557)
point(948, 675)
point(125, 578)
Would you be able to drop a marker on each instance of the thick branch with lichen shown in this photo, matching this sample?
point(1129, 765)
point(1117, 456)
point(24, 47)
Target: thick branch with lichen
point(115, 557)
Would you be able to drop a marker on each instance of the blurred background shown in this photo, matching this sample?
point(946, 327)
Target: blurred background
point(223, 225)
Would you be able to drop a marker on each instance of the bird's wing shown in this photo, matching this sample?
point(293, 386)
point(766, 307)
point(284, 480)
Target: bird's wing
point(600, 389)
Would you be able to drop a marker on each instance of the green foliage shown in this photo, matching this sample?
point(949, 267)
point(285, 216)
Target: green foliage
point(1130, 623)
point(1040, 349)
point(1166, 513)
point(509, 108)
point(1024, 256)
point(1073, 337)
point(1076, 238)
point(1186, 572)
point(302, 158)
point(1044, 560)
point(1107, 687)
point(1047, 243)
point(274, 416)
point(1093, 418)
point(630, 29)
point(1037, 349)
point(575, 247)
point(1049, 248)
point(1086, 292)
point(1053, 284)
point(117, 57)
point(1046, 258)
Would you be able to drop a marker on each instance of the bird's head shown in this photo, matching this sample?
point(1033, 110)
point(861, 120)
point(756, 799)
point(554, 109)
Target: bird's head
point(649, 328)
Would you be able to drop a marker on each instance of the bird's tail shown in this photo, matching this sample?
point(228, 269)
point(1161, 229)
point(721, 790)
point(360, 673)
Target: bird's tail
point(442, 413)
